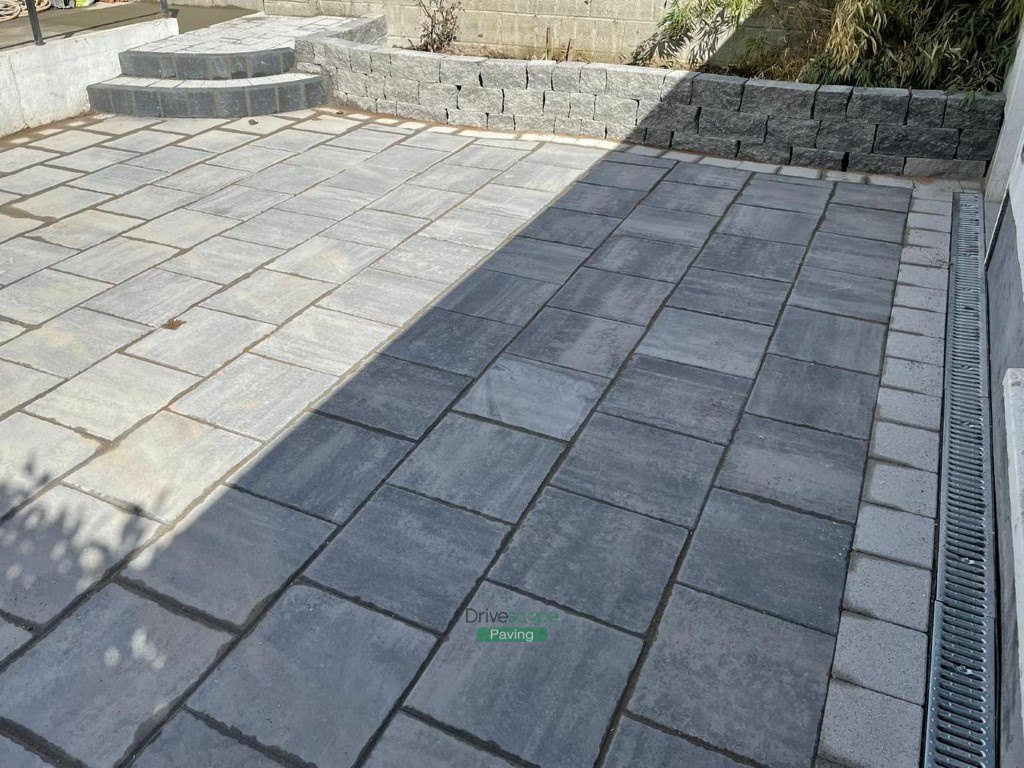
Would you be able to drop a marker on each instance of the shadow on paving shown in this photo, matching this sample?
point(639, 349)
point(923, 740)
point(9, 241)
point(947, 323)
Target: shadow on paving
point(661, 347)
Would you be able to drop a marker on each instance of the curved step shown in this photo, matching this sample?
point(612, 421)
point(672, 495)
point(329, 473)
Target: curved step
point(206, 66)
point(144, 97)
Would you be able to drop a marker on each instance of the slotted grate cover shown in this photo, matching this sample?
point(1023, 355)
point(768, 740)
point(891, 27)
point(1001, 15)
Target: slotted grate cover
point(960, 728)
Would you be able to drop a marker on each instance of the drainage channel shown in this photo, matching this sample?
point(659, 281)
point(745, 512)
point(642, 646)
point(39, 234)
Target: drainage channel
point(960, 730)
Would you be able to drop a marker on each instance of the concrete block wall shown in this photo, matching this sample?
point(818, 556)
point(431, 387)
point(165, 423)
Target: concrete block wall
point(876, 130)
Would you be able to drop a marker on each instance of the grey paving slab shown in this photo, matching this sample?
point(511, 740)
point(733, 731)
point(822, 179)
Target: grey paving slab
point(86, 229)
point(909, 446)
point(498, 296)
point(376, 228)
point(768, 224)
point(221, 260)
point(92, 689)
point(269, 296)
point(289, 179)
point(324, 201)
point(881, 656)
point(142, 141)
point(59, 546)
point(749, 256)
point(280, 229)
point(283, 704)
point(16, 158)
point(153, 297)
point(652, 471)
point(867, 298)
point(637, 744)
point(238, 202)
point(866, 728)
point(537, 259)
point(322, 466)
point(573, 340)
point(536, 396)
point(790, 565)
point(857, 255)
point(868, 196)
point(12, 637)
point(864, 222)
point(737, 296)
point(324, 341)
point(480, 466)
point(187, 740)
point(911, 490)
point(708, 175)
point(19, 384)
point(613, 296)
point(171, 158)
point(409, 555)
point(593, 558)
point(254, 396)
point(843, 342)
point(452, 341)
point(409, 740)
point(432, 259)
point(35, 179)
point(229, 555)
point(116, 260)
point(69, 140)
point(183, 228)
point(766, 193)
point(118, 179)
point(643, 258)
point(366, 140)
point(690, 198)
point(599, 199)
point(889, 591)
point(385, 297)
point(918, 321)
point(290, 140)
point(482, 156)
point(112, 396)
point(575, 684)
point(895, 535)
point(204, 178)
point(333, 159)
point(216, 140)
point(453, 178)
point(624, 176)
point(374, 181)
point(654, 224)
point(11, 226)
point(22, 256)
point(45, 294)
point(407, 158)
point(59, 202)
point(755, 684)
point(695, 401)
point(150, 201)
point(572, 227)
point(923, 378)
point(796, 466)
point(910, 408)
point(421, 202)
point(815, 395)
point(9, 331)
point(717, 343)
point(473, 228)
point(17, 756)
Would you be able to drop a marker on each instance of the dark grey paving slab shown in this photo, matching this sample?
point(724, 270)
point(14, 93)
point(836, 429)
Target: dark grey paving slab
point(394, 395)
point(593, 558)
point(12, 637)
point(844, 342)
point(575, 683)
point(843, 294)
point(872, 196)
point(639, 467)
point(768, 224)
point(643, 258)
point(93, 689)
point(857, 255)
point(696, 401)
point(17, 756)
point(815, 395)
point(636, 744)
point(498, 296)
point(480, 466)
point(749, 256)
point(691, 198)
point(708, 175)
point(537, 259)
point(718, 343)
point(186, 740)
point(323, 466)
point(573, 340)
point(410, 741)
point(655, 224)
point(612, 296)
point(559, 225)
point(452, 341)
point(766, 193)
point(603, 200)
point(755, 685)
point(769, 558)
point(864, 222)
point(229, 555)
point(737, 296)
point(409, 555)
point(796, 466)
point(302, 703)
point(536, 396)
point(624, 176)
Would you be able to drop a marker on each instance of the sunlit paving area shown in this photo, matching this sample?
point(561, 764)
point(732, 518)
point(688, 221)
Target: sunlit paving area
point(334, 439)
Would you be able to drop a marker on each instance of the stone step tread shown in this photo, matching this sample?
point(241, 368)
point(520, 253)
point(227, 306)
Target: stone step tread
point(207, 66)
point(127, 81)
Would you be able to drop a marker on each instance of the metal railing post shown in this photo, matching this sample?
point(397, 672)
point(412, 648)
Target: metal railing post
point(33, 20)
point(165, 9)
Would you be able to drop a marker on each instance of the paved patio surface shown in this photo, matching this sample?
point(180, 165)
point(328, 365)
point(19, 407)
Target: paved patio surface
point(293, 406)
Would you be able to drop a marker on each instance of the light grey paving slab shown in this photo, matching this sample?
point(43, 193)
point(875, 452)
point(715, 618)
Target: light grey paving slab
point(366, 140)
point(86, 229)
point(864, 222)
point(18, 757)
point(856, 255)
point(737, 296)
point(910, 408)
point(172, 158)
point(45, 294)
point(483, 156)
point(229, 555)
point(717, 343)
point(280, 229)
point(290, 179)
point(150, 202)
point(422, 202)
point(204, 179)
point(452, 341)
point(10, 226)
point(432, 259)
point(749, 256)
point(154, 297)
point(796, 466)
point(593, 558)
point(203, 342)
point(112, 396)
point(325, 341)
point(923, 378)
point(889, 591)
point(254, 396)
point(327, 259)
point(573, 156)
point(409, 555)
point(695, 401)
point(19, 384)
point(142, 141)
point(21, 257)
point(918, 321)
point(238, 202)
point(116, 260)
point(118, 179)
point(385, 297)
point(895, 535)
point(374, 181)
point(12, 637)
point(844, 342)
point(480, 466)
point(183, 228)
point(69, 140)
point(59, 202)
point(755, 684)
point(472, 228)
point(164, 465)
point(613, 296)
point(326, 202)
point(881, 656)
point(59, 546)
point(250, 158)
point(584, 667)
point(767, 224)
point(407, 158)
point(187, 740)
point(221, 260)
point(281, 704)
point(911, 490)
point(867, 298)
point(408, 740)
point(270, 296)
point(95, 687)
point(454, 178)
point(538, 177)
point(16, 158)
point(333, 159)
point(36, 452)
point(771, 559)
point(648, 470)
point(498, 296)
point(637, 744)
point(862, 727)
point(216, 140)
point(9, 331)
point(35, 179)
point(909, 446)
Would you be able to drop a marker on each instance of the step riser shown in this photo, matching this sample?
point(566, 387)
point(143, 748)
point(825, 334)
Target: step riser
point(207, 66)
point(243, 101)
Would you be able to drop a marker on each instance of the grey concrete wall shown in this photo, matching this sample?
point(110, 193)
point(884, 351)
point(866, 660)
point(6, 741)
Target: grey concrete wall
point(878, 130)
point(41, 84)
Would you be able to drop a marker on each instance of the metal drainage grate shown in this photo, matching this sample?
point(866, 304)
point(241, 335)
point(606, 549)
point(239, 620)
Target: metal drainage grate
point(960, 729)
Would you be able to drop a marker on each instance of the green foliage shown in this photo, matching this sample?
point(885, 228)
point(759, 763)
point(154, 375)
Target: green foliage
point(440, 24)
point(695, 25)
